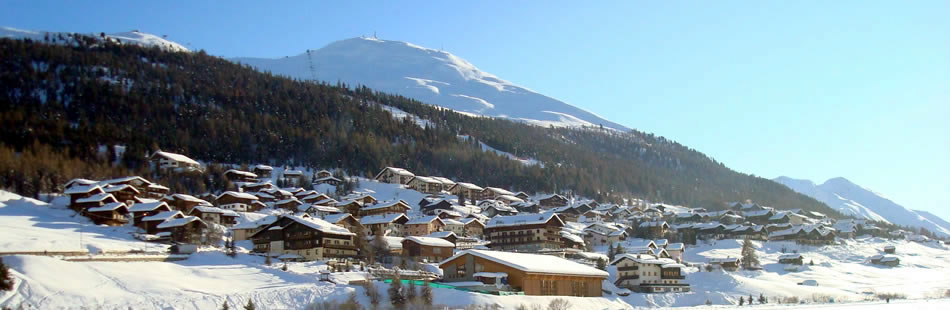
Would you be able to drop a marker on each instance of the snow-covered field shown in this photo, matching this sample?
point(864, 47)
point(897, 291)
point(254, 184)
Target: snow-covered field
point(209, 278)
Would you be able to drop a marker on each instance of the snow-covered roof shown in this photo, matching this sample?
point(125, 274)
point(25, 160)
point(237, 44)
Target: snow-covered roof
point(118, 188)
point(263, 167)
point(162, 216)
point(384, 205)
point(148, 206)
point(125, 179)
point(426, 179)
point(336, 218)
point(176, 157)
point(382, 218)
point(96, 198)
point(675, 247)
point(237, 195)
point(790, 256)
point(158, 186)
point(569, 236)
point(321, 225)
point(889, 258)
point(79, 181)
point(444, 181)
point(242, 173)
point(207, 209)
point(267, 220)
point(185, 197)
point(521, 219)
point(448, 222)
point(179, 222)
point(468, 186)
point(424, 220)
point(509, 198)
point(534, 263)
point(82, 189)
point(720, 260)
point(756, 213)
point(498, 191)
point(288, 200)
point(429, 241)
point(441, 234)
point(399, 171)
point(108, 207)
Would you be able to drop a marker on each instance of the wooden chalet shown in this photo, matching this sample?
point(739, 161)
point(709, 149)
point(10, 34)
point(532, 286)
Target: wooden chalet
point(185, 229)
point(144, 209)
point(308, 238)
point(345, 220)
point(390, 224)
point(532, 274)
point(427, 185)
point(553, 201)
point(263, 171)
point(649, 273)
point(526, 232)
point(398, 206)
point(235, 201)
point(728, 263)
point(492, 192)
point(394, 175)
point(172, 162)
point(235, 175)
point(289, 204)
point(124, 193)
point(150, 223)
point(467, 190)
point(791, 259)
point(94, 201)
point(427, 248)
point(256, 187)
point(76, 192)
point(111, 214)
point(424, 225)
point(184, 203)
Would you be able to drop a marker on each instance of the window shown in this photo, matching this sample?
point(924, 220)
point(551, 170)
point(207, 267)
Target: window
point(436, 251)
point(548, 287)
point(479, 267)
point(460, 270)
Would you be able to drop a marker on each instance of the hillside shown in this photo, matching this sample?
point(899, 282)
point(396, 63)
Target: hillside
point(77, 99)
point(854, 200)
point(428, 75)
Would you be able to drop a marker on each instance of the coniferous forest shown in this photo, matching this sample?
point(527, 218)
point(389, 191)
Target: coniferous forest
point(63, 103)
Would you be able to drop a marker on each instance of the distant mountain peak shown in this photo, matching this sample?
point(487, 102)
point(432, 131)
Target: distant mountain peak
point(131, 37)
point(429, 75)
point(852, 199)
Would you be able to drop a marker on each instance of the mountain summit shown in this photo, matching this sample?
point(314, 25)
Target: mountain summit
point(851, 199)
point(428, 75)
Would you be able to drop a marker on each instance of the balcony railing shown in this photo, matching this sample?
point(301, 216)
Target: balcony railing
point(679, 277)
point(633, 277)
point(628, 268)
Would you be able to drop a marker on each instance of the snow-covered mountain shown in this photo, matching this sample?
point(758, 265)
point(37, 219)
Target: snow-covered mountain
point(131, 37)
point(428, 75)
point(851, 199)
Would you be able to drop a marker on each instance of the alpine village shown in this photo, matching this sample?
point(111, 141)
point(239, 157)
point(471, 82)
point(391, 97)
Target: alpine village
point(193, 154)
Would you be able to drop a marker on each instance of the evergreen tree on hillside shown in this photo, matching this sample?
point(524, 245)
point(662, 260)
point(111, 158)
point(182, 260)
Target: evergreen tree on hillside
point(749, 257)
point(396, 294)
point(249, 305)
point(6, 279)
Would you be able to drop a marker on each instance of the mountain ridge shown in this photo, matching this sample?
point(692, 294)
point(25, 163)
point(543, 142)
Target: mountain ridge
point(431, 76)
point(852, 199)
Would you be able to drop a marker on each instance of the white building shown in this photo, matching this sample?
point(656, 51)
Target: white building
point(647, 273)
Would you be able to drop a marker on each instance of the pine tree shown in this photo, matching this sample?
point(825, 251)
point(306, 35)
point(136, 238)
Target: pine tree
point(412, 292)
point(250, 305)
point(225, 306)
point(750, 300)
point(762, 299)
point(601, 264)
point(610, 252)
point(619, 250)
point(267, 259)
point(749, 257)
point(811, 262)
point(741, 300)
point(396, 296)
point(426, 294)
point(6, 279)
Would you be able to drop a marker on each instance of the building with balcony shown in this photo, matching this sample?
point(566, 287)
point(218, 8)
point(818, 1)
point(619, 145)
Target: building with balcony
point(649, 274)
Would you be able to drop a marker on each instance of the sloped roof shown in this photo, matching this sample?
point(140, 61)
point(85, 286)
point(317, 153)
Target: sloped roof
point(109, 207)
point(321, 225)
point(82, 189)
point(148, 206)
point(430, 241)
point(176, 157)
point(169, 223)
point(381, 218)
point(96, 198)
point(237, 195)
point(534, 263)
point(162, 216)
point(424, 220)
point(521, 219)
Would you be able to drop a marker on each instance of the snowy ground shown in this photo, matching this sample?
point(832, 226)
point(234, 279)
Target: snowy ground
point(30, 225)
point(207, 279)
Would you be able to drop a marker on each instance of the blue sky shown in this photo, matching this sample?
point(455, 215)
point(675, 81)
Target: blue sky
point(808, 89)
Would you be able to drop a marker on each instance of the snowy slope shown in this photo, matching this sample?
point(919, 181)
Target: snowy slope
point(131, 37)
point(429, 75)
point(851, 199)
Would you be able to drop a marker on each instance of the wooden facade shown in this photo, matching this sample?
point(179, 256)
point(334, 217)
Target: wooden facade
point(463, 267)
